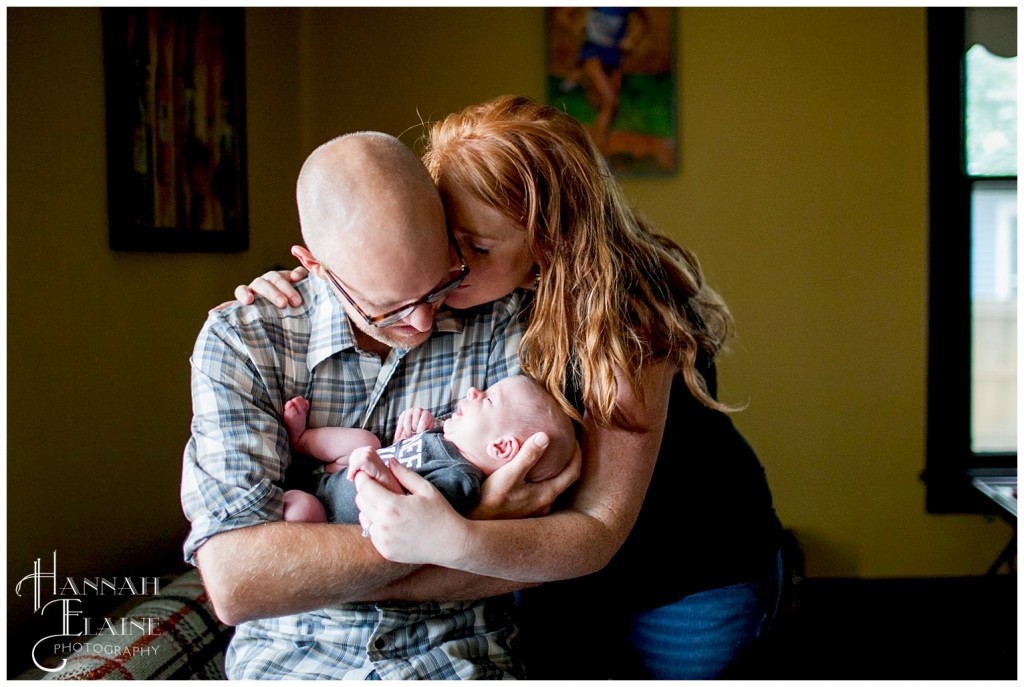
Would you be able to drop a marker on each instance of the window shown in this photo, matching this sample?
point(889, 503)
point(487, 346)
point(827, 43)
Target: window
point(972, 350)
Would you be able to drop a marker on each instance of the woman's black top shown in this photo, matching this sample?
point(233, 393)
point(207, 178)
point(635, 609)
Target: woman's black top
point(707, 520)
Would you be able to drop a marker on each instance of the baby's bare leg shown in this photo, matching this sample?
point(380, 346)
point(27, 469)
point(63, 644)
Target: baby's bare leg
point(329, 444)
point(366, 460)
point(302, 507)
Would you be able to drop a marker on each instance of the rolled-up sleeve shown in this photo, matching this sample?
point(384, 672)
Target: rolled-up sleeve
point(235, 460)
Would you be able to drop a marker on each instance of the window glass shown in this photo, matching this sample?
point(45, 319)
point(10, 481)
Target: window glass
point(994, 317)
point(991, 113)
point(991, 120)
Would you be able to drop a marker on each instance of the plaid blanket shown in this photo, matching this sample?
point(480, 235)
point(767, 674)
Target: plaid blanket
point(171, 636)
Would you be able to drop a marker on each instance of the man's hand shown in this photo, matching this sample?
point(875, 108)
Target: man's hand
point(507, 495)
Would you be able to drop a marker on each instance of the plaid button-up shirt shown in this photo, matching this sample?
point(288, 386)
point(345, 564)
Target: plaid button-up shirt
point(247, 363)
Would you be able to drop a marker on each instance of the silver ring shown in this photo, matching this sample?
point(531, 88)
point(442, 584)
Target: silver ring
point(366, 531)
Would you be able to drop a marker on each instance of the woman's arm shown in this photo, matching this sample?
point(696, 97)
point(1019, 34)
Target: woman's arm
point(421, 528)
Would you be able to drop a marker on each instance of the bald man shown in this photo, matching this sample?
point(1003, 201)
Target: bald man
point(369, 209)
point(367, 342)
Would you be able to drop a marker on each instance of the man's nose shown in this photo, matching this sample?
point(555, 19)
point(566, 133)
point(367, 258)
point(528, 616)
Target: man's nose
point(422, 318)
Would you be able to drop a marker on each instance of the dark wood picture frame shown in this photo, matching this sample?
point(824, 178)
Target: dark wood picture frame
point(176, 144)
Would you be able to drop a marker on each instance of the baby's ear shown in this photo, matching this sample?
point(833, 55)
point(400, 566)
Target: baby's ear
point(504, 448)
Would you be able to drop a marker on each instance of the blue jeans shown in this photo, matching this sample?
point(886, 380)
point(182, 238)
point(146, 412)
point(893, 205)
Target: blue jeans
point(699, 636)
point(702, 636)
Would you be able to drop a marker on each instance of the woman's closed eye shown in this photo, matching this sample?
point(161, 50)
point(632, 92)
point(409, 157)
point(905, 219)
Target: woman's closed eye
point(472, 243)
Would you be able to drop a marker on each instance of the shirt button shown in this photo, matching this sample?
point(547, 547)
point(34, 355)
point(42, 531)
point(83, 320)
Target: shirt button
point(379, 643)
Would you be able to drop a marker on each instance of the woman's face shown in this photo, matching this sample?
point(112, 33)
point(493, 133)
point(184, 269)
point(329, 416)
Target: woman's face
point(493, 245)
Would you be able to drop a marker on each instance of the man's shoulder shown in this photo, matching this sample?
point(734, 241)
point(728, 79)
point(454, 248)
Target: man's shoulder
point(262, 321)
point(262, 312)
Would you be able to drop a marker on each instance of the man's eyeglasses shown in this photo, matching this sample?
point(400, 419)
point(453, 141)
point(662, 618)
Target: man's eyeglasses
point(392, 316)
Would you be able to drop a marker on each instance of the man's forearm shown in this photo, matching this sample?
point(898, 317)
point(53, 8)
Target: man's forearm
point(283, 568)
point(433, 583)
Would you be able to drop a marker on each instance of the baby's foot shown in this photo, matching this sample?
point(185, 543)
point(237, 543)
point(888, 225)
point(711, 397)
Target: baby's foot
point(296, 412)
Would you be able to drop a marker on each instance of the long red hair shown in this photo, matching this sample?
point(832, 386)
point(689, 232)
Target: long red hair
point(612, 294)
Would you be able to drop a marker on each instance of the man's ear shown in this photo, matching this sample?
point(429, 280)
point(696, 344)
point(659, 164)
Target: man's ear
point(504, 448)
point(307, 260)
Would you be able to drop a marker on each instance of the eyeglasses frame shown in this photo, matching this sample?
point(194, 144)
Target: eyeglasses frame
point(400, 313)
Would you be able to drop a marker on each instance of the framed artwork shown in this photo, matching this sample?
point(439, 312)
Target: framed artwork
point(613, 68)
point(175, 100)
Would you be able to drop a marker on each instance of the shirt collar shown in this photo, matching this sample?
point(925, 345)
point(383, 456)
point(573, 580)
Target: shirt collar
point(448, 322)
point(330, 330)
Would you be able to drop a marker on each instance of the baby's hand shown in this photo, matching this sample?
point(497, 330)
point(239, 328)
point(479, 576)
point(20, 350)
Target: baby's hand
point(367, 461)
point(413, 421)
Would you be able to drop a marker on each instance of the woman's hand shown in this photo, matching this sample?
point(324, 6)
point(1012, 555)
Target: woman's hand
point(365, 459)
point(420, 527)
point(507, 495)
point(276, 287)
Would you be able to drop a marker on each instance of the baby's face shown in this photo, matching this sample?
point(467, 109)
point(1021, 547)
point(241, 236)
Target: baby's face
point(483, 415)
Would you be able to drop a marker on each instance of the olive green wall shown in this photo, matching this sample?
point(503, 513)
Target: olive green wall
point(802, 187)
